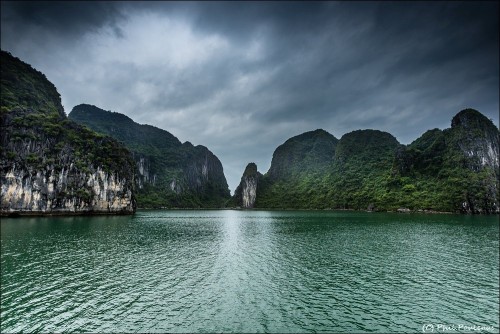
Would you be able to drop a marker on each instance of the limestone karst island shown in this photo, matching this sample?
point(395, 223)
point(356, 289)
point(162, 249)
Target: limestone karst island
point(101, 162)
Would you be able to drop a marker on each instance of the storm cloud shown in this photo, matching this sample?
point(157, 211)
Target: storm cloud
point(242, 77)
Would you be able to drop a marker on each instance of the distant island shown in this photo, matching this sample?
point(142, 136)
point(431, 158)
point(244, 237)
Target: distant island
point(454, 170)
point(102, 162)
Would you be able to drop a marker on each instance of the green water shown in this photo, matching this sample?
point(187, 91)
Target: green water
point(250, 271)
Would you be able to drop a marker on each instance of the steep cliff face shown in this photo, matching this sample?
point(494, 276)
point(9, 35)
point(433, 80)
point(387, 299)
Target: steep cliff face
point(50, 165)
point(246, 192)
point(169, 173)
point(143, 171)
point(476, 137)
point(456, 169)
point(53, 191)
point(204, 173)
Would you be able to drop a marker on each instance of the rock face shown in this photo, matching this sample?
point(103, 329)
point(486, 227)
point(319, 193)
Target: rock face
point(246, 192)
point(50, 165)
point(474, 139)
point(477, 138)
point(52, 191)
point(143, 171)
point(169, 173)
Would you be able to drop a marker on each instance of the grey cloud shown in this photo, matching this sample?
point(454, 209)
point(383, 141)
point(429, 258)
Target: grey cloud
point(61, 17)
point(242, 77)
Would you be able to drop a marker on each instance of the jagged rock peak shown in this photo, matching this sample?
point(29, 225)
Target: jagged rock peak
point(477, 137)
point(246, 192)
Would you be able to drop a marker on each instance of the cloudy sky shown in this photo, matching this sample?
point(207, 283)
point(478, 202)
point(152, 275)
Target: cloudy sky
point(242, 77)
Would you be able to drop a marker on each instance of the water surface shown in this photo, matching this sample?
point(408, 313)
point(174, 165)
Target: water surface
point(249, 271)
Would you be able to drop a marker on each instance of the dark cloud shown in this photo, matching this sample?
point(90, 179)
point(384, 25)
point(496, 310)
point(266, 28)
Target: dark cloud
point(242, 77)
point(60, 17)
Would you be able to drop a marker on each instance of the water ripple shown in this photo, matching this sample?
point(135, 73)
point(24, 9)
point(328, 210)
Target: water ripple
point(248, 271)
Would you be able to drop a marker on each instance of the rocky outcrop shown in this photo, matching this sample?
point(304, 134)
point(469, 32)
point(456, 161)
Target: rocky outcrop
point(477, 138)
point(64, 191)
point(203, 171)
point(50, 165)
point(474, 144)
point(246, 192)
point(175, 187)
point(459, 165)
point(143, 171)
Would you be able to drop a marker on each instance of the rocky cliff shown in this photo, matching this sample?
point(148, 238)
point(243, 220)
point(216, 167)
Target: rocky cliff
point(169, 173)
point(455, 170)
point(476, 137)
point(246, 192)
point(49, 164)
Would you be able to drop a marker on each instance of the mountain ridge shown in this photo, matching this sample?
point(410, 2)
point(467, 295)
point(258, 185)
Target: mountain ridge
point(97, 161)
point(452, 170)
point(170, 173)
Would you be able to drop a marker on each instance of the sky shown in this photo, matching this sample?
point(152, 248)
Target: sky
point(242, 77)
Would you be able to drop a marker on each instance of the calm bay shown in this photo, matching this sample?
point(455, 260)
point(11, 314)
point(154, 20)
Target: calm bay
point(250, 271)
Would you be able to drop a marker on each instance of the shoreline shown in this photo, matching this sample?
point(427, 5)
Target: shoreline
point(18, 214)
point(406, 211)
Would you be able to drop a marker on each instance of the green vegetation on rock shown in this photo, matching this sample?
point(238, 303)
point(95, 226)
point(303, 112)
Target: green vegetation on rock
point(97, 161)
point(168, 173)
point(49, 162)
point(454, 170)
point(451, 170)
